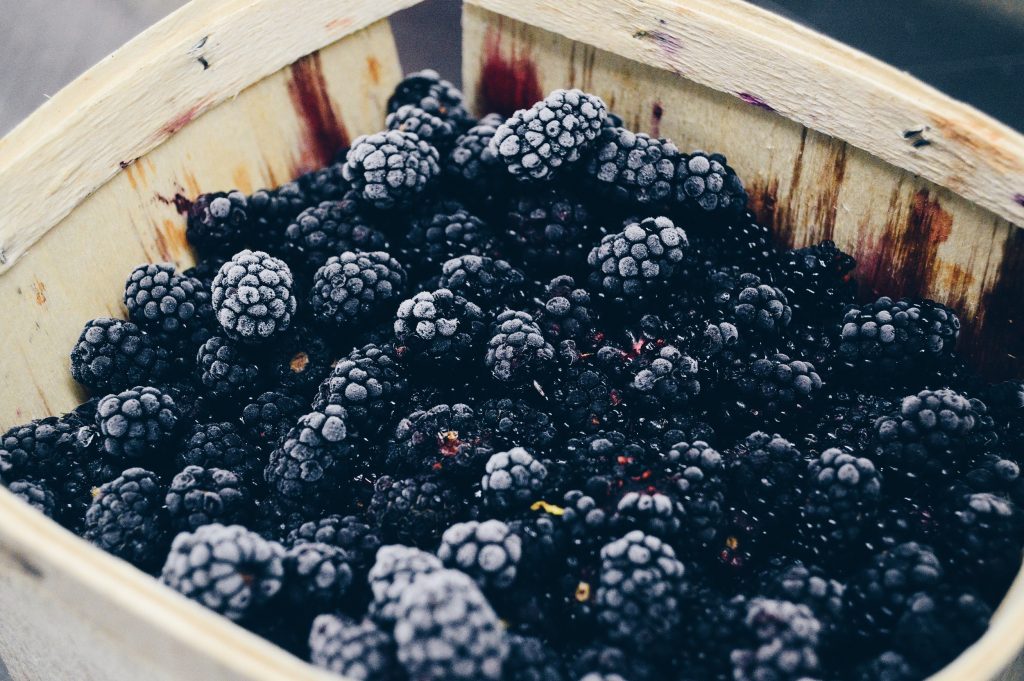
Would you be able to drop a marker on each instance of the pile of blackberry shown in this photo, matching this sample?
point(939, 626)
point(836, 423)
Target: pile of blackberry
point(537, 398)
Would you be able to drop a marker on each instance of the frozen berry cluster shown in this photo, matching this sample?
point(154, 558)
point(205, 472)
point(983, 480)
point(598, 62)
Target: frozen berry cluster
point(538, 398)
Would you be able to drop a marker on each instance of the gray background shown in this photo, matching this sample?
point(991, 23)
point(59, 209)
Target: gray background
point(972, 49)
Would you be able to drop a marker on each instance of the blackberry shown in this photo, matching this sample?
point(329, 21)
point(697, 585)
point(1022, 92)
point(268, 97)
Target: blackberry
point(740, 241)
point(816, 279)
point(298, 361)
point(351, 534)
point(226, 369)
point(228, 569)
point(698, 487)
point(810, 586)
point(518, 351)
point(413, 511)
point(205, 270)
point(428, 91)
point(200, 496)
point(754, 307)
point(530, 659)
point(438, 131)
point(356, 287)
point(586, 521)
point(394, 571)
point(936, 628)
point(38, 448)
point(638, 261)
point(444, 438)
point(776, 389)
point(329, 229)
point(846, 419)
point(471, 164)
point(844, 492)
point(487, 282)
point(638, 598)
point(440, 232)
point(360, 652)
point(982, 539)
point(316, 577)
point(534, 143)
point(637, 170)
point(220, 445)
point(928, 439)
point(168, 305)
point(879, 594)
point(889, 666)
point(323, 184)
point(611, 457)
point(607, 660)
point(566, 312)
point(510, 422)
point(367, 383)
point(652, 512)
point(512, 480)
point(767, 476)
point(663, 378)
point(135, 422)
point(439, 325)
point(314, 462)
point(113, 355)
point(488, 552)
point(812, 343)
point(252, 295)
point(889, 342)
point(706, 185)
point(218, 222)
point(271, 211)
point(781, 642)
point(446, 629)
point(549, 230)
point(126, 518)
point(36, 494)
point(389, 169)
point(269, 416)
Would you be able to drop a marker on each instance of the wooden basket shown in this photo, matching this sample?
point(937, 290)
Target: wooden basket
point(923, 190)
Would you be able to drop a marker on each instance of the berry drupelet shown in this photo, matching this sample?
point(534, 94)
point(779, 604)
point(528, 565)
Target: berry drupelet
point(135, 422)
point(517, 351)
point(389, 169)
point(488, 552)
point(535, 143)
point(113, 355)
point(355, 288)
point(200, 496)
point(126, 518)
point(252, 296)
point(228, 569)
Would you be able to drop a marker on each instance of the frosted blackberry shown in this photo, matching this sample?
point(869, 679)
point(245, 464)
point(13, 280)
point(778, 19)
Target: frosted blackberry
point(530, 659)
point(567, 312)
point(888, 341)
point(435, 130)
point(488, 552)
point(766, 476)
point(928, 439)
point(36, 494)
point(252, 296)
point(487, 282)
point(517, 351)
point(445, 439)
point(810, 586)
point(534, 143)
point(298, 361)
point(135, 422)
point(228, 569)
point(439, 325)
point(317, 577)
point(126, 518)
point(983, 540)
point(878, 595)
point(781, 642)
point(638, 596)
point(166, 304)
point(698, 488)
point(200, 496)
point(637, 170)
point(394, 571)
point(323, 184)
point(651, 512)
point(889, 666)
point(844, 492)
point(778, 389)
point(329, 229)
point(355, 537)
point(639, 260)
point(389, 169)
point(445, 629)
point(549, 229)
point(508, 422)
point(937, 626)
point(271, 211)
point(269, 416)
point(663, 377)
point(356, 287)
point(512, 480)
point(705, 184)
point(220, 445)
point(440, 232)
point(471, 164)
point(816, 280)
point(113, 355)
point(39, 448)
point(360, 652)
point(428, 91)
point(218, 222)
point(367, 384)
point(415, 510)
point(753, 306)
point(225, 369)
point(314, 461)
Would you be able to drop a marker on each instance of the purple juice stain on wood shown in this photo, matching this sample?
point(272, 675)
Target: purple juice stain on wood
point(999, 348)
point(506, 83)
point(754, 100)
point(668, 43)
point(1018, 198)
point(657, 111)
point(324, 135)
point(180, 201)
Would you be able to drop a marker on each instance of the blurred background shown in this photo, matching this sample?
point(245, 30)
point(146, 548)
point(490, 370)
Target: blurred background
point(971, 49)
